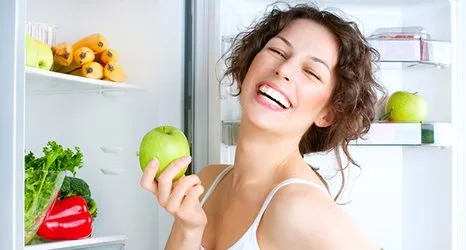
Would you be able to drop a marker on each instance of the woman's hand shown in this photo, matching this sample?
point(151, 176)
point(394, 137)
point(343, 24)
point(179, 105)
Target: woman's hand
point(179, 198)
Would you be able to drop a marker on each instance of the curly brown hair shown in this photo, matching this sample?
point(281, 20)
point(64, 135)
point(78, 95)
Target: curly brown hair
point(354, 95)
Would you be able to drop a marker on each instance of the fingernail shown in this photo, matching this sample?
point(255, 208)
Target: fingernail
point(188, 158)
point(154, 162)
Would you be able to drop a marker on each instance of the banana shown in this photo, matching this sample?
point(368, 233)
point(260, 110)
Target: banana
point(67, 69)
point(92, 70)
point(94, 41)
point(109, 55)
point(83, 55)
point(77, 72)
point(62, 54)
point(114, 72)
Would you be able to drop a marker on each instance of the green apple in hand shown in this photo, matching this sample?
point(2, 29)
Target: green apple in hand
point(403, 106)
point(166, 143)
point(38, 54)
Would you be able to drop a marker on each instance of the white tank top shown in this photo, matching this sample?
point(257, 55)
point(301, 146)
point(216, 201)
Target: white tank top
point(249, 239)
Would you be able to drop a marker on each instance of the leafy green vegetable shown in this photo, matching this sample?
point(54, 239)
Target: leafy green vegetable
point(41, 177)
point(73, 186)
point(56, 159)
point(92, 208)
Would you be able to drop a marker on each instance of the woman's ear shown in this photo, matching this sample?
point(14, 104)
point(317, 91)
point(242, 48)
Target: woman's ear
point(326, 119)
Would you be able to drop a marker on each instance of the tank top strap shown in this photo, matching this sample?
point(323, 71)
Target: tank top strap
point(275, 190)
point(215, 183)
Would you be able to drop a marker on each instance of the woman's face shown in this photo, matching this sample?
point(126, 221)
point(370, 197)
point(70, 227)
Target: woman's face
point(289, 82)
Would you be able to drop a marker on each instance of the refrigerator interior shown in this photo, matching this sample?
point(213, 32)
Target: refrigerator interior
point(149, 37)
point(401, 195)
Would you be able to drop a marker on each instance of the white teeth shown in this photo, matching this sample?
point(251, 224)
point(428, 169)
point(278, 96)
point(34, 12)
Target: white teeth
point(268, 100)
point(275, 95)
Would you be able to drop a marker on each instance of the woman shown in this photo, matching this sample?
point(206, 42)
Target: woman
point(306, 85)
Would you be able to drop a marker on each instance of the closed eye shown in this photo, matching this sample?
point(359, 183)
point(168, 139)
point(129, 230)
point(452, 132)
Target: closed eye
point(276, 51)
point(313, 74)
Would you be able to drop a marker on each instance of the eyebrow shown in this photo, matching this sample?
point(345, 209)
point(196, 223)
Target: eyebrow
point(315, 59)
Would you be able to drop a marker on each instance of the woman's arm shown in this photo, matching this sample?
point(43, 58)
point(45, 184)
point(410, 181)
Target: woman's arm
point(183, 239)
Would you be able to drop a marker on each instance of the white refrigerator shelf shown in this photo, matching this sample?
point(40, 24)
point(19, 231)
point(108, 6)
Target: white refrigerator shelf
point(437, 134)
point(116, 240)
point(40, 81)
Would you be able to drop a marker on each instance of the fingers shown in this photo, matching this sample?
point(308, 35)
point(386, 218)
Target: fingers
point(147, 180)
point(192, 197)
point(191, 200)
point(179, 198)
point(183, 186)
point(165, 180)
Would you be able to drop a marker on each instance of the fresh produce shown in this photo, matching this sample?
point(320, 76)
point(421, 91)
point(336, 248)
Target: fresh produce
point(95, 41)
point(74, 186)
point(46, 197)
point(403, 106)
point(90, 70)
point(40, 178)
point(38, 54)
point(83, 55)
point(80, 57)
point(31, 52)
point(69, 219)
point(45, 56)
point(90, 58)
point(109, 55)
point(114, 72)
point(72, 210)
point(63, 54)
point(166, 143)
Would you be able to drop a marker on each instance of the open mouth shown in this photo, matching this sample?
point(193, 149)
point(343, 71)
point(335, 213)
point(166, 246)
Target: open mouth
point(273, 97)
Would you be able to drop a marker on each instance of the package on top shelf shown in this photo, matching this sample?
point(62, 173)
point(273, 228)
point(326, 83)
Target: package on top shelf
point(43, 32)
point(409, 44)
point(411, 32)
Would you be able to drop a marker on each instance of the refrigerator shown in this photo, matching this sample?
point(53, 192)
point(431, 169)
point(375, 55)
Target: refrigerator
point(408, 194)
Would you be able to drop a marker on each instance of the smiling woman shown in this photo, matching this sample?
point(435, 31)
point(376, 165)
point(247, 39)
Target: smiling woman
point(339, 58)
point(306, 84)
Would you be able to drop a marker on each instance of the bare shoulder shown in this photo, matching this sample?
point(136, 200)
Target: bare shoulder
point(208, 174)
point(312, 221)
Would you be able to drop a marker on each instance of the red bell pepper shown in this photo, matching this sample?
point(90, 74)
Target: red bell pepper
point(69, 219)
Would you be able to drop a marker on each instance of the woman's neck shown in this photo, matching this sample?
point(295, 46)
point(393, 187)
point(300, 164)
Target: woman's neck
point(261, 157)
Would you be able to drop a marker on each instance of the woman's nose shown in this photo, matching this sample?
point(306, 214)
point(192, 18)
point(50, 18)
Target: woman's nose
point(281, 74)
point(284, 71)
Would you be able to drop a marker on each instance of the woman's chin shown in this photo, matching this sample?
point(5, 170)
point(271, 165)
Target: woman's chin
point(262, 121)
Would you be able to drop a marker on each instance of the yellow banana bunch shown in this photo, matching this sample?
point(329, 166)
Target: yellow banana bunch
point(109, 55)
point(89, 57)
point(81, 56)
point(114, 72)
point(95, 41)
point(62, 54)
point(92, 70)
